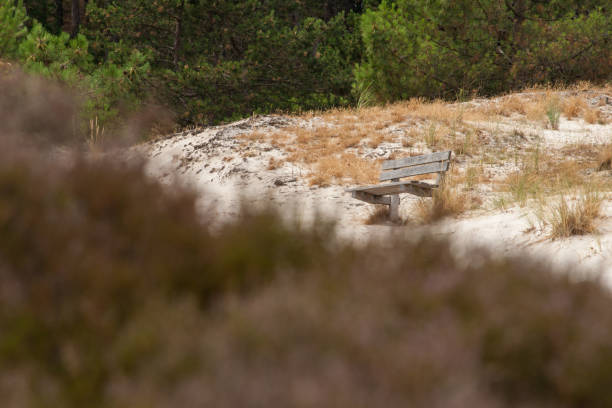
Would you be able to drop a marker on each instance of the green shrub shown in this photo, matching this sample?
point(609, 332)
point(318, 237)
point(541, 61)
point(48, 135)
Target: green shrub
point(12, 27)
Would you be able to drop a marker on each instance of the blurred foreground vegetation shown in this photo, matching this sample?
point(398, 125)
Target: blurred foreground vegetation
point(210, 61)
point(114, 292)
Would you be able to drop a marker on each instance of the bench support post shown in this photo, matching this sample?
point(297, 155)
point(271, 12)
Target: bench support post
point(394, 208)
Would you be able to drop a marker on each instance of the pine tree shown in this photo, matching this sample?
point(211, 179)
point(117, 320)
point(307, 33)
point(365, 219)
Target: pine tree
point(416, 48)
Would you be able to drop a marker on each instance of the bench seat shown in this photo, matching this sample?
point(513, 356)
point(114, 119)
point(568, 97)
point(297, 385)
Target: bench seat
point(418, 188)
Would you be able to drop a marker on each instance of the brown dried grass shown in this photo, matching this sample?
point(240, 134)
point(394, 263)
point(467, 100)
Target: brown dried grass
point(593, 116)
point(604, 159)
point(379, 215)
point(256, 136)
point(447, 201)
point(399, 112)
point(274, 163)
point(509, 105)
point(344, 168)
point(342, 129)
point(536, 109)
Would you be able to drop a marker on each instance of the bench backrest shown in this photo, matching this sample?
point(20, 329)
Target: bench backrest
point(413, 166)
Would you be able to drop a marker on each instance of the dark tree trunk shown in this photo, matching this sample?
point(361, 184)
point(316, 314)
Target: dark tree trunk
point(59, 15)
point(177, 34)
point(84, 19)
point(44, 14)
point(76, 18)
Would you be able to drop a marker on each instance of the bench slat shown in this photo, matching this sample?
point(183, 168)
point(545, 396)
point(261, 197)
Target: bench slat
point(371, 198)
point(412, 161)
point(414, 170)
point(413, 187)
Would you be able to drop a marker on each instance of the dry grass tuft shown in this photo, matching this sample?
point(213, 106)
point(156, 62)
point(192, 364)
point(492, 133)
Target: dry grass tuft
point(572, 219)
point(446, 201)
point(380, 215)
point(535, 111)
point(509, 105)
point(592, 116)
point(274, 163)
point(573, 106)
point(604, 159)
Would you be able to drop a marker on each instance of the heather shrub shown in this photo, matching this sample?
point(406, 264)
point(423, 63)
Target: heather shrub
point(35, 112)
point(88, 242)
point(113, 292)
point(408, 326)
point(84, 246)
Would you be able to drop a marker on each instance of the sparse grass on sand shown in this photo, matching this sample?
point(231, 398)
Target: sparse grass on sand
point(542, 105)
point(336, 145)
point(547, 173)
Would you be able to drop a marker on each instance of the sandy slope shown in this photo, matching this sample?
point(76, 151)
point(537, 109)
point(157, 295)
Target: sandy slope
point(227, 172)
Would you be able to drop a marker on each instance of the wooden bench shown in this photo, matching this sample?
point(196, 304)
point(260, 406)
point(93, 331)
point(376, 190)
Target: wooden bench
point(394, 170)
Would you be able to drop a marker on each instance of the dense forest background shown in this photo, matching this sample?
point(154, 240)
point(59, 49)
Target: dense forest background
point(216, 60)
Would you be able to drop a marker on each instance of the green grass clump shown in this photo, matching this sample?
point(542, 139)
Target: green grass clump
point(553, 113)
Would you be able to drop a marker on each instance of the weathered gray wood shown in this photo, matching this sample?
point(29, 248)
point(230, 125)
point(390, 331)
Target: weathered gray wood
point(388, 193)
point(394, 208)
point(417, 183)
point(413, 161)
point(418, 188)
point(414, 170)
point(370, 198)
